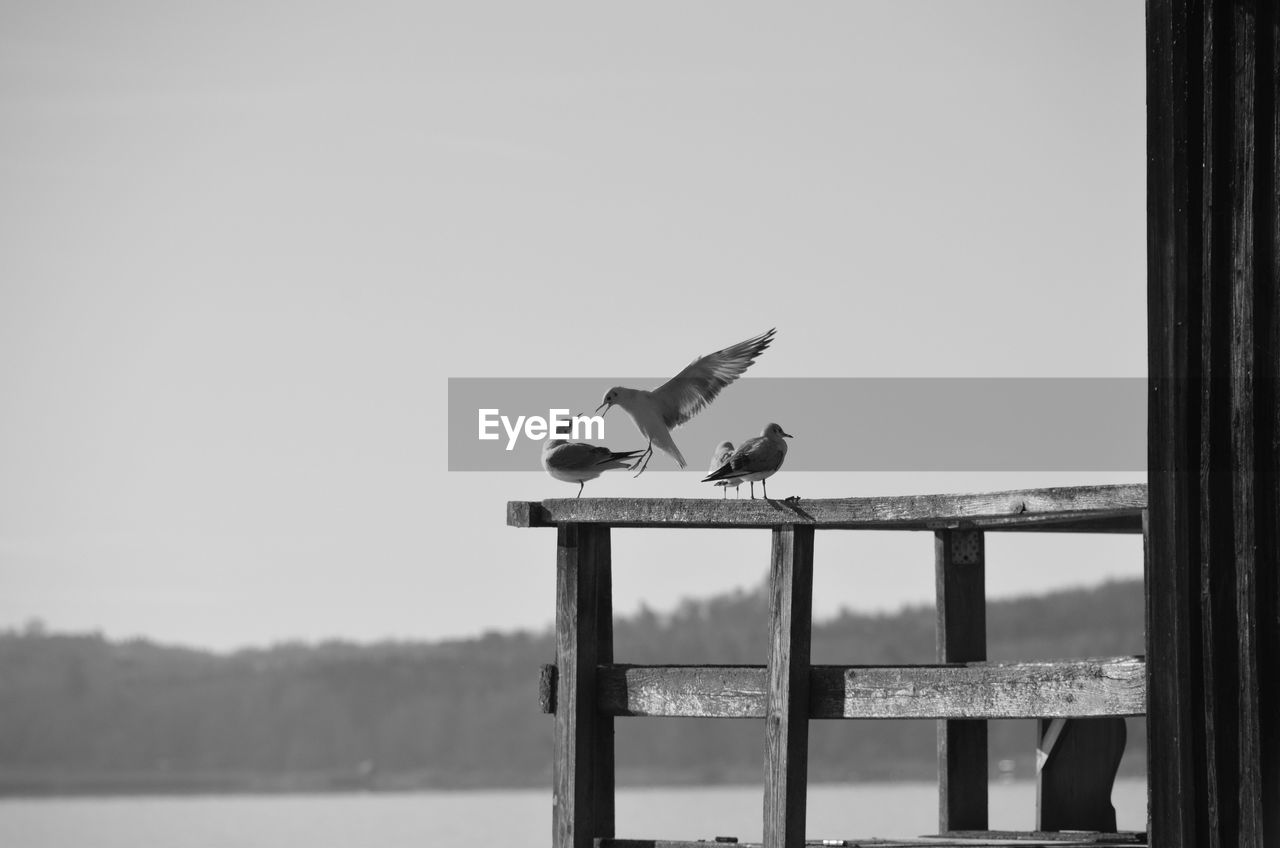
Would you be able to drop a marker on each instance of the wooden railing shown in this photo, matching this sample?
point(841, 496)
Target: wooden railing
point(1080, 702)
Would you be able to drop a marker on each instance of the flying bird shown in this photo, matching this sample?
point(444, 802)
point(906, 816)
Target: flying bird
point(755, 459)
point(657, 412)
point(578, 462)
point(724, 450)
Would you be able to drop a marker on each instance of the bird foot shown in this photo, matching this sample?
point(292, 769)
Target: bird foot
point(792, 499)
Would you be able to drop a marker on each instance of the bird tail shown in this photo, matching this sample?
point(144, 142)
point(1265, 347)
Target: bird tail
point(723, 472)
point(617, 455)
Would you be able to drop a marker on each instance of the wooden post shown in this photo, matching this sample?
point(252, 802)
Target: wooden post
point(786, 740)
point(960, 574)
point(1076, 764)
point(583, 773)
point(1213, 613)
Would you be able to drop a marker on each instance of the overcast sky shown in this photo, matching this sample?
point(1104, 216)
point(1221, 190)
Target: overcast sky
point(243, 246)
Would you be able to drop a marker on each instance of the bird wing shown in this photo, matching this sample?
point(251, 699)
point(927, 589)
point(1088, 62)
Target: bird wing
point(721, 457)
point(685, 394)
point(758, 454)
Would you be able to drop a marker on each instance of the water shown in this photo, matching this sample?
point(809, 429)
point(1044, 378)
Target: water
point(516, 818)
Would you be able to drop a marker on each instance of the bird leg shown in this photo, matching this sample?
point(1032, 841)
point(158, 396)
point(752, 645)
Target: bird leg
point(643, 462)
point(581, 484)
point(753, 489)
point(765, 489)
point(724, 493)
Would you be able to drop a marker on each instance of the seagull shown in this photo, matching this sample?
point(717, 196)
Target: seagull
point(578, 462)
point(673, 403)
point(723, 451)
point(755, 459)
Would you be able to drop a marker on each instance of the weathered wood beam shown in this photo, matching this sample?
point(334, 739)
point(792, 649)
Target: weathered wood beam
point(1213, 630)
point(1067, 509)
point(582, 769)
point(1068, 689)
point(786, 687)
point(950, 839)
point(961, 591)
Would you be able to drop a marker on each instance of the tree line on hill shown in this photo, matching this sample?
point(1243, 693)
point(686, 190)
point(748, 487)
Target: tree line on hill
point(81, 713)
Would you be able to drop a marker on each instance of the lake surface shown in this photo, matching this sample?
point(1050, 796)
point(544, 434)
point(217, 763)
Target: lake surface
point(516, 818)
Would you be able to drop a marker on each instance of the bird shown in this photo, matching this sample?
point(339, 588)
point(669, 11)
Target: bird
point(673, 403)
point(578, 462)
point(755, 459)
point(724, 450)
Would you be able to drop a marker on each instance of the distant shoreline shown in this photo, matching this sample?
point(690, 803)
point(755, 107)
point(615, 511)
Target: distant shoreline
point(16, 786)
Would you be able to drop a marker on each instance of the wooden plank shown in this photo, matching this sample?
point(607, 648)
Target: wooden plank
point(1076, 773)
point(1267, 599)
point(1174, 136)
point(547, 689)
point(1243, 784)
point(1081, 508)
point(603, 771)
point(786, 712)
point(1214, 422)
point(1113, 686)
point(954, 839)
point(1048, 837)
point(577, 816)
point(959, 569)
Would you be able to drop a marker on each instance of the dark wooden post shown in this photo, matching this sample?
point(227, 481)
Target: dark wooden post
point(960, 573)
point(1213, 627)
point(786, 740)
point(583, 775)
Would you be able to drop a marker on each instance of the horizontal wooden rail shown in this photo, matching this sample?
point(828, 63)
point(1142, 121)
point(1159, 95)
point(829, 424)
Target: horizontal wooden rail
point(950, 839)
point(1080, 509)
point(1112, 686)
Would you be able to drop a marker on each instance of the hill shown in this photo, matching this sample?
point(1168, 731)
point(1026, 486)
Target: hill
point(80, 713)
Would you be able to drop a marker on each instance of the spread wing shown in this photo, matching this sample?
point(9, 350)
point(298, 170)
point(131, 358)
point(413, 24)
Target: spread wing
point(685, 395)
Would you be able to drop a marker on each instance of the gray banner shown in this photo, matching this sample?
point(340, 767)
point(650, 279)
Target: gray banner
point(839, 424)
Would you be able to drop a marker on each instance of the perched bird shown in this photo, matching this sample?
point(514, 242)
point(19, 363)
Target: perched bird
point(673, 403)
point(755, 459)
point(578, 462)
point(724, 450)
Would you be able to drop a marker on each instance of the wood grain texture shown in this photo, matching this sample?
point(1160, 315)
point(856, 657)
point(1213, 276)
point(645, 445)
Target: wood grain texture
point(1066, 509)
point(547, 689)
point(603, 770)
point(1174, 148)
point(578, 766)
point(954, 839)
point(1070, 689)
point(786, 707)
point(1213, 422)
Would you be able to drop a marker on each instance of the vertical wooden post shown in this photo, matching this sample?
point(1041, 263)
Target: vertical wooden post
point(786, 740)
point(960, 574)
point(583, 772)
point(1213, 330)
point(603, 772)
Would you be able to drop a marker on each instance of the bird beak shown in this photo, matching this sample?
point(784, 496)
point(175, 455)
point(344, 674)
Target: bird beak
point(606, 406)
point(788, 435)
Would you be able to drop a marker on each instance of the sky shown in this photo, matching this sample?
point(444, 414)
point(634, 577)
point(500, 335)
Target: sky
point(244, 246)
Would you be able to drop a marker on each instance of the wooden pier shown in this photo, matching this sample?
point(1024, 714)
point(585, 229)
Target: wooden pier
point(1080, 702)
point(1211, 532)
